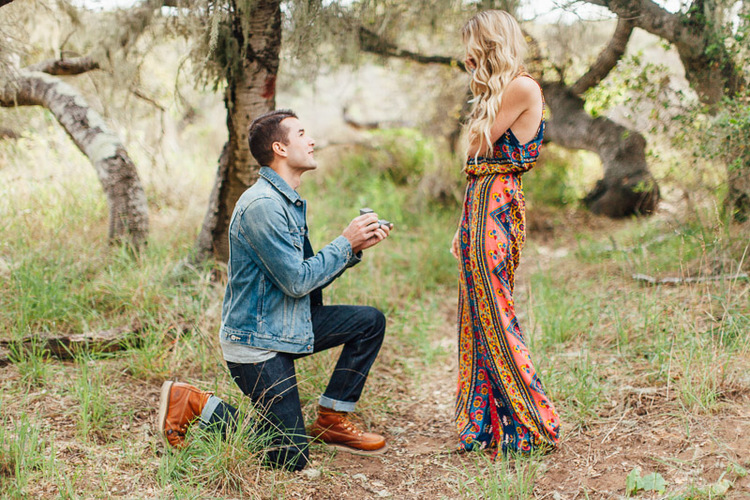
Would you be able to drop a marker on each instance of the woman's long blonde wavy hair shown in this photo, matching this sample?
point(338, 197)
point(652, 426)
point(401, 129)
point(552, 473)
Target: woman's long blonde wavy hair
point(496, 44)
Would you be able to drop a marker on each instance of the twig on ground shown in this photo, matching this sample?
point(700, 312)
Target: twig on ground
point(604, 439)
point(645, 244)
point(689, 279)
point(67, 346)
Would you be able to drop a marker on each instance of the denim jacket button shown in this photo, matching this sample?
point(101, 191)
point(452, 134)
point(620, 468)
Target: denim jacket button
point(309, 348)
point(298, 203)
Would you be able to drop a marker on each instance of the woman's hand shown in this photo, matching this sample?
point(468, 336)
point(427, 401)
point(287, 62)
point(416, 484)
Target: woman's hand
point(455, 246)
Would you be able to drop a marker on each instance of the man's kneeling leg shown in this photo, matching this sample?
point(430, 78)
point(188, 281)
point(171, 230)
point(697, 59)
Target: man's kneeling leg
point(272, 386)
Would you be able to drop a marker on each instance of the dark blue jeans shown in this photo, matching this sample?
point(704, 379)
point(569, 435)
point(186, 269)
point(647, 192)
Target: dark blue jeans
point(272, 384)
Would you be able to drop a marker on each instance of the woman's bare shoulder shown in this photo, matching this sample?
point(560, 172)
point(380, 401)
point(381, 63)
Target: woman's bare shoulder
point(523, 87)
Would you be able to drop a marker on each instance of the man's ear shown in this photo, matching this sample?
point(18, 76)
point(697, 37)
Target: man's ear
point(279, 149)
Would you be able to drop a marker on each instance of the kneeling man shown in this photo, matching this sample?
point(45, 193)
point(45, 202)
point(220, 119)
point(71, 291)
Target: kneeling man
point(273, 311)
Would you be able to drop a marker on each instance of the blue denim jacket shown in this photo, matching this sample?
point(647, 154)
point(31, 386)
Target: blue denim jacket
point(267, 300)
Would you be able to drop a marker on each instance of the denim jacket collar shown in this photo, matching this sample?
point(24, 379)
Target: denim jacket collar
point(280, 184)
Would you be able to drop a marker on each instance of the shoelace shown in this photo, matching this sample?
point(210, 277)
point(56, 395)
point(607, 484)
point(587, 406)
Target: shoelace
point(350, 426)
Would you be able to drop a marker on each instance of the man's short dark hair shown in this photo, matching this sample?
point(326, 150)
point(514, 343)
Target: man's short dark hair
point(264, 131)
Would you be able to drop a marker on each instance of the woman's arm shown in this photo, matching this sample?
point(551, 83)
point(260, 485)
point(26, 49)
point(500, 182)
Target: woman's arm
point(455, 243)
point(520, 109)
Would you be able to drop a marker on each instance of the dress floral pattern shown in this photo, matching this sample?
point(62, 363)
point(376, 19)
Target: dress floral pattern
point(500, 402)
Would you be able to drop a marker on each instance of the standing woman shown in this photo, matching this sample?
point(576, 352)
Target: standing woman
point(501, 402)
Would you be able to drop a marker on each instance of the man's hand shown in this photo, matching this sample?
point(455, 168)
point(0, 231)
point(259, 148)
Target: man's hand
point(365, 231)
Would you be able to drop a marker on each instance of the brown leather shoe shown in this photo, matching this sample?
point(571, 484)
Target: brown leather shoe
point(179, 405)
point(335, 429)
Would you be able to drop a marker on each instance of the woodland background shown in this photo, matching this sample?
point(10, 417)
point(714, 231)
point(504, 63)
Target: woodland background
point(633, 292)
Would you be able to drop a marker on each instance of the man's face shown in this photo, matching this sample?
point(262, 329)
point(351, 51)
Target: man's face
point(299, 145)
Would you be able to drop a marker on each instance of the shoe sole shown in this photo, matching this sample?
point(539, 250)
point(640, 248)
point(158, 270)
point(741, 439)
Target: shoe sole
point(163, 407)
point(355, 451)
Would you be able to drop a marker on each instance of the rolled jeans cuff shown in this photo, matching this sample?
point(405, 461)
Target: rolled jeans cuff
point(208, 410)
point(345, 406)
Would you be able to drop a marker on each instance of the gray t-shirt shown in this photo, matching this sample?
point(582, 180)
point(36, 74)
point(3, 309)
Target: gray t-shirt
point(245, 354)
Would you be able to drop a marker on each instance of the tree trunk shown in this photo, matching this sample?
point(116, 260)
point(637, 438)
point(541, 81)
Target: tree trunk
point(627, 187)
point(251, 91)
point(737, 202)
point(128, 210)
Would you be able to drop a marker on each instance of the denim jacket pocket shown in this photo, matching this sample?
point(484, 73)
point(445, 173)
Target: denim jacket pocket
point(297, 238)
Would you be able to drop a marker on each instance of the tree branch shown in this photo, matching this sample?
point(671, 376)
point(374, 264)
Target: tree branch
point(607, 58)
point(356, 124)
point(88, 130)
point(646, 15)
point(65, 67)
point(370, 41)
point(711, 75)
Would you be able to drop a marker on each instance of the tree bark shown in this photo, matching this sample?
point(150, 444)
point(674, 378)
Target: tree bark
point(65, 67)
point(251, 91)
point(68, 346)
point(128, 210)
point(627, 187)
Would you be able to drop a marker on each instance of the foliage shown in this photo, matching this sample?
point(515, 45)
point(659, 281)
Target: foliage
point(649, 482)
point(722, 138)
point(713, 138)
point(561, 177)
point(402, 156)
point(727, 24)
point(718, 489)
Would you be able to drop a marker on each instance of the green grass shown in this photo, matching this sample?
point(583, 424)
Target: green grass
point(503, 478)
point(592, 330)
point(95, 413)
point(218, 464)
point(24, 452)
point(32, 361)
point(563, 311)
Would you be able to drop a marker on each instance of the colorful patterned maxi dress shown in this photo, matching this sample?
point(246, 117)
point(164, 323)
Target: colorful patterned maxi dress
point(500, 397)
